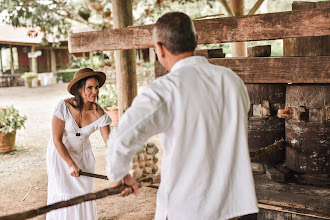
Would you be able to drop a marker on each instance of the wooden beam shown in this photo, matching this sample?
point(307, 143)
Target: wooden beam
point(228, 8)
point(219, 30)
point(125, 60)
point(274, 69)
point(238, 49)
point(255, 7)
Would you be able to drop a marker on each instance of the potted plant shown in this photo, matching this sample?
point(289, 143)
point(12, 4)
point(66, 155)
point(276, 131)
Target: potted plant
point(10, 121)
point(109, 102)
point(28, 77)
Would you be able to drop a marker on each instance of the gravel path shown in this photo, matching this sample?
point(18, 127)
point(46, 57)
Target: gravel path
point(25, 167)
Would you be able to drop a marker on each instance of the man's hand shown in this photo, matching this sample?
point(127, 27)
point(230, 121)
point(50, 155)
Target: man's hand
point(129, 181)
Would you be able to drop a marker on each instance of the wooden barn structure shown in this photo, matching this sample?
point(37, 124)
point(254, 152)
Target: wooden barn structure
point(290, 95)
point(48, 59)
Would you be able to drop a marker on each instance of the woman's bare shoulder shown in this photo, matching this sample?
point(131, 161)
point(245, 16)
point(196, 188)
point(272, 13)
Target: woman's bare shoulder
point(99, 111)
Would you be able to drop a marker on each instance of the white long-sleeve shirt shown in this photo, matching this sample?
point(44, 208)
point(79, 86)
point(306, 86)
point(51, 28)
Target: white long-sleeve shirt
point(200, 111)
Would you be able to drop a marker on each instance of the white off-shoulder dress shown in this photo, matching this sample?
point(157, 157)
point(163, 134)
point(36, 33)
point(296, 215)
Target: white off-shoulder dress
point(63, 186)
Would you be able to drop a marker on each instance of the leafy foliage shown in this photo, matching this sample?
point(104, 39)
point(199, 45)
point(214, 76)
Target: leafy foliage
point(29, 76)
point(65, 75)
point(52, 17)
point(56, 17)
point(109, 98)
point(10, 119)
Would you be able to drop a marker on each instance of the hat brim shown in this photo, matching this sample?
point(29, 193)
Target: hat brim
point(100, 75)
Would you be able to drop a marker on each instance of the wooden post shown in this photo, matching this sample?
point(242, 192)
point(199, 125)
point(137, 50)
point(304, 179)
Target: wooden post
point(228, 8)
point(307, 46)
point(125, 60)
point(306, 134)
point(34, 65)
point(53, 61)
point(102, 58)
point(255, 7)
point(1, 64)
point(238, 49)
point(91, 64)
point(12, 71)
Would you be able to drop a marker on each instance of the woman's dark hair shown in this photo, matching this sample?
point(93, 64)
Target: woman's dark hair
point(77, 97)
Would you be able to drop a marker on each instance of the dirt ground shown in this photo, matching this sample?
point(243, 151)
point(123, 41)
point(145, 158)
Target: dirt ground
point(25, 167)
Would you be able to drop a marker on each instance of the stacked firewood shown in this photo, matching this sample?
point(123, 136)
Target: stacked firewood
point(144, 164)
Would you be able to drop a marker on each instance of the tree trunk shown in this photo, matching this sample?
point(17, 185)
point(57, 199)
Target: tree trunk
point(238, 49)
point(124, 59)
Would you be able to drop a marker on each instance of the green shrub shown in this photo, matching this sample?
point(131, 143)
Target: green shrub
point(65, 75)
point(29, 76)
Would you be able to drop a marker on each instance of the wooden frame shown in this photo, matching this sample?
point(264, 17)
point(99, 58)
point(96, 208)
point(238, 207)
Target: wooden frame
point(274, 69)
point(219, 30)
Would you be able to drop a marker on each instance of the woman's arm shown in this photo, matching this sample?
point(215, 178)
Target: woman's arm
point(58, 129)
point(105, 132)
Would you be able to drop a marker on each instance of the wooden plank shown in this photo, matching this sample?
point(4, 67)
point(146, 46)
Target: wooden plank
point(298, 199)
point(274, 69)
point(219, 30)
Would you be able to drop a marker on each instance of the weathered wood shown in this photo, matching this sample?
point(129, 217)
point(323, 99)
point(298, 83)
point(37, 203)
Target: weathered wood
point(307, 46)
point(323, 4)
point(301, 200)
point(255, 7)
point(125, 60)
point(212, 53)
point(219, 30)
point(278, 175)
point(274, 69)
point(303, 5)
point(307, 129)
point(308, 140)
point(259, 51)
point(238, 49)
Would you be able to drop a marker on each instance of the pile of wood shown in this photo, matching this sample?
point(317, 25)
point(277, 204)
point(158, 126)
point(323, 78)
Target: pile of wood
point(144, 164)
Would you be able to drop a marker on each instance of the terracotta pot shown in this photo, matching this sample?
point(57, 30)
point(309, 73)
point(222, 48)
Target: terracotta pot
point(7, 141)
point(29, 83)
point(113, 115)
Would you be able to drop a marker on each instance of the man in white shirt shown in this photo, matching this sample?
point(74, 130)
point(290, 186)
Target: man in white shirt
point(200, 111)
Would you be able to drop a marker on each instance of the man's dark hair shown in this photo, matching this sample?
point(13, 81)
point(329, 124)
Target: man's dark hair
point(176, 32)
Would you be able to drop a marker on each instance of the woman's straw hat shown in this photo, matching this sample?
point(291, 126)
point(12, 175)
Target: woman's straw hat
point(83, 73)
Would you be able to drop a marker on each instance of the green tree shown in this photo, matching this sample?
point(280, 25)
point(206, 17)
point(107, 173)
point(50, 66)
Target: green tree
point(56, 17)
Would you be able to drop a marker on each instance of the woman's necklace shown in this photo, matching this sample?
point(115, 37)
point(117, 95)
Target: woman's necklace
point(86, 111)
point(85, 115)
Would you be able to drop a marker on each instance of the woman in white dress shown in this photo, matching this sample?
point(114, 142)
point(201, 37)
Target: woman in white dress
point(69, 150)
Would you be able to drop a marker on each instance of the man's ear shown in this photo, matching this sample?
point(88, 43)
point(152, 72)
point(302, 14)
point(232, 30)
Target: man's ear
point(197, 38)
point(161, 49)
